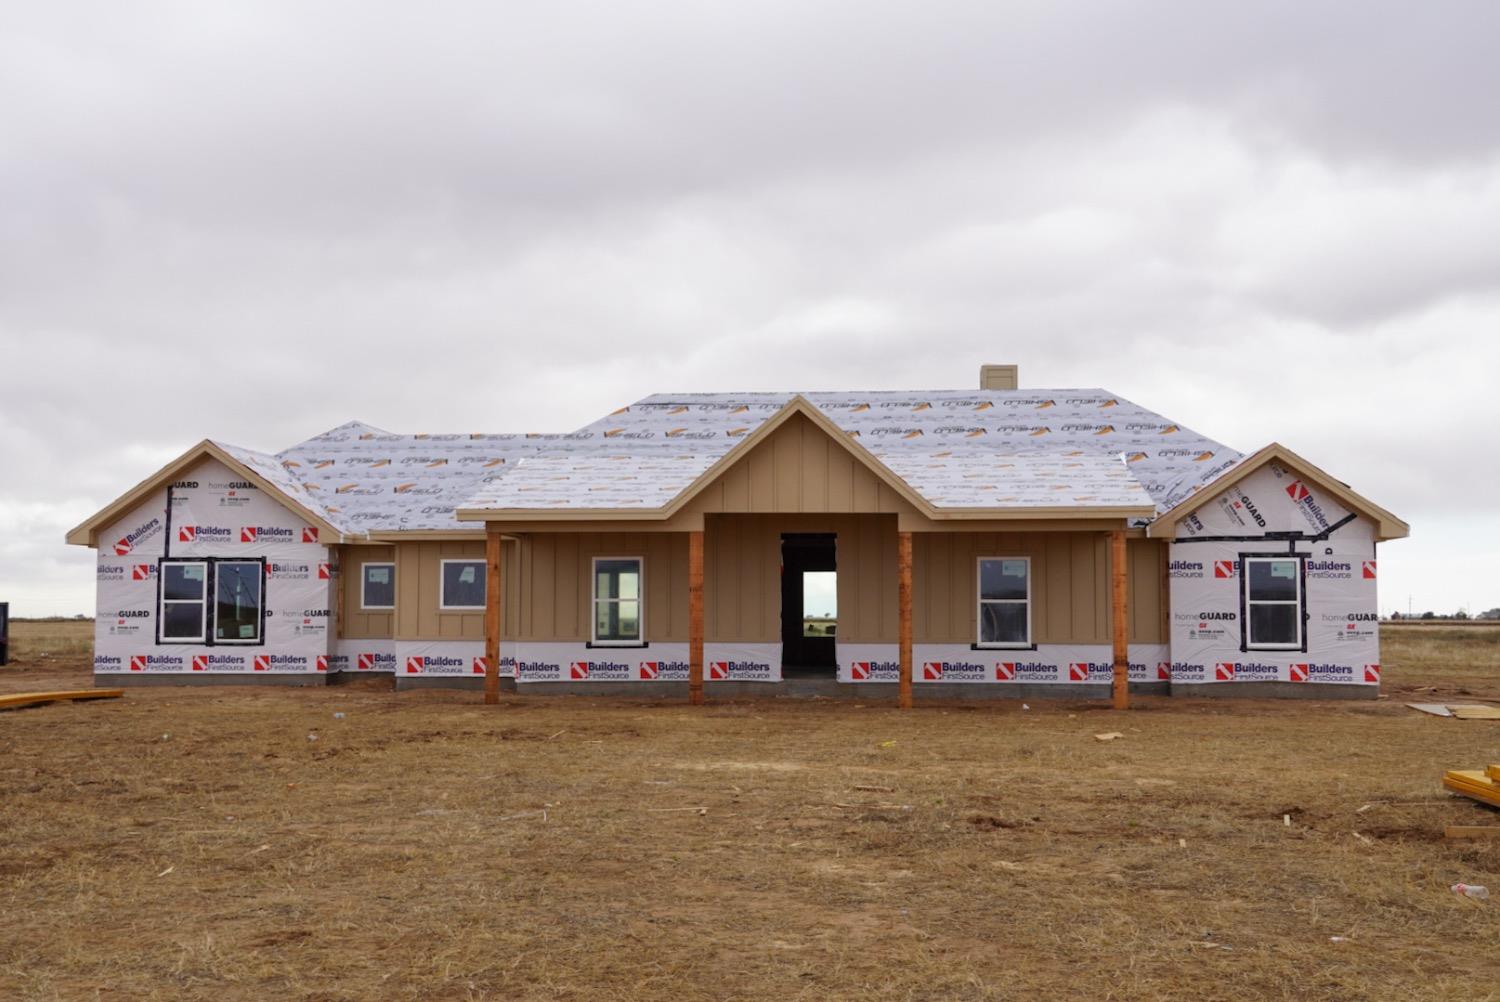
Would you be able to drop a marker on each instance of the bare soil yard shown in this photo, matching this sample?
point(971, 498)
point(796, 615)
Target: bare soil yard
point(187, 843)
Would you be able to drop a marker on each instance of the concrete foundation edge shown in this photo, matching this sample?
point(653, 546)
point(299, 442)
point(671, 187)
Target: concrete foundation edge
point(1274, 690)
point(122, 681)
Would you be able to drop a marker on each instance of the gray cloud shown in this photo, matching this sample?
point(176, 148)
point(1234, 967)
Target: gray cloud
point(1271, 222)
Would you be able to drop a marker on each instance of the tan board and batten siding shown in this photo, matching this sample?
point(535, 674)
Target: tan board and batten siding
point(418, 580)
point(551, 575)
point(548, 581)
point(1069, 585)
point(798, 469)
point(356, 623)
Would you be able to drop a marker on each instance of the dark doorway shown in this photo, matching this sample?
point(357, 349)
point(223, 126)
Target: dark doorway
point(809, 603)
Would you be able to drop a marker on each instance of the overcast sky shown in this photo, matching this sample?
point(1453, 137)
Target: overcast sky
point(1269, 221)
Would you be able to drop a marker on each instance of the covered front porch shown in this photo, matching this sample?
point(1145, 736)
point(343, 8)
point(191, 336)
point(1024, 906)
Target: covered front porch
point(715, 608)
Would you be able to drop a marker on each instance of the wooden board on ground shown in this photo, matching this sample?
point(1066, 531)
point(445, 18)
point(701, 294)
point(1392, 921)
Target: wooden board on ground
point(19, 699)
point(1474, 711)
point(1436, 709)
point(1474, 784)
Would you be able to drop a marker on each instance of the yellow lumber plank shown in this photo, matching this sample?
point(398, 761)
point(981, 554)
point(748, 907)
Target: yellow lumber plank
point(1473, 784)
point(1475, 711)
point(1493, 772)
point(18, 699)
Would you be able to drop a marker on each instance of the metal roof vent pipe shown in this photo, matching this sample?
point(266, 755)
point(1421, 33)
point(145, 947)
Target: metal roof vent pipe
point(998, 377)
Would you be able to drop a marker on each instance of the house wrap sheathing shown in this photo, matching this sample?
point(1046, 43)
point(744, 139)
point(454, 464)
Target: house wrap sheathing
point(1023, 476)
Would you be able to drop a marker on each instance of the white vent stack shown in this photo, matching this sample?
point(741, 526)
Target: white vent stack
point(998, 377)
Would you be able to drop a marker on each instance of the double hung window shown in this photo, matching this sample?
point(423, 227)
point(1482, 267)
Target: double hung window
point(1004, 602)
point(1273, 603)
point(617, 601)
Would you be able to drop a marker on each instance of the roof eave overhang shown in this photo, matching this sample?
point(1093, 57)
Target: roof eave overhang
point(663, 514)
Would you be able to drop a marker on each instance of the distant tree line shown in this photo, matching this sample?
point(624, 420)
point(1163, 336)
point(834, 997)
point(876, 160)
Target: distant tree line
point(1460, 614)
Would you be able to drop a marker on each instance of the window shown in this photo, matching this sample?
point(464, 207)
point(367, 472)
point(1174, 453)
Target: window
point(237, 602)
point(462, 584)
point(617, 600)
point(1004, 601)
point(1273, 603)
point(378, 586)
point(231, 592)
point(184, 601)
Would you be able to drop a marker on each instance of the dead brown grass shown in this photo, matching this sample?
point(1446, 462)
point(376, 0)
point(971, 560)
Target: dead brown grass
point(426, 847)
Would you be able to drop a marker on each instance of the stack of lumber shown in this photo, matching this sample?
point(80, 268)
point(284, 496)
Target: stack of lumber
point(14, 700)
point(1483, 786)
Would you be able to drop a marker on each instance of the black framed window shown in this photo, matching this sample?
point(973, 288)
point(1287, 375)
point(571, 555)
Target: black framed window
point(239, 586)
point(183, 591)
point(378, 587)
point(1273, 602)
point(211, 601)
point(1004, 602)
point(618, 600)
point(463, 585)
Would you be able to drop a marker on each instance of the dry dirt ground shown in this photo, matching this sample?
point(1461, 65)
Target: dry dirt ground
point(197, 844)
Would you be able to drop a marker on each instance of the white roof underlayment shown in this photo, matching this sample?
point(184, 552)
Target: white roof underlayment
point(955, 448)
point(999, 449)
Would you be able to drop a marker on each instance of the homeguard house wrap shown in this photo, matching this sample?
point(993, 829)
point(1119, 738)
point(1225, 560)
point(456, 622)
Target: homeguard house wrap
point(987, 542)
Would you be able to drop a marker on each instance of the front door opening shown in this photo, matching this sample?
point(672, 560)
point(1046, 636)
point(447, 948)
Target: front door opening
point(809, 603)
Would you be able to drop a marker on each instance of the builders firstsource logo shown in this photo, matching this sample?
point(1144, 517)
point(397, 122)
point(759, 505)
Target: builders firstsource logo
point(203, 534)
point(280, 662)
point(135, 537)
point(1321, 672)
point(1025, 671)
point(108, 663)
point(1253, 671)
point(435, 664)
point(662, 671)
point(875, 671)
point(722, 671)
point(1185, 569)
point(599, 671)
point(1090, 671)
point(218, 662)
point(1307, 504)
point(1341, 569)
point(264, 534)
point(156, 662)
point(538, 671)
point(953, 671)
point(371, 661)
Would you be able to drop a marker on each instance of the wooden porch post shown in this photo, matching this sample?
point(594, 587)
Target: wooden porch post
point(493, 604)
point(903, 602)
point(695, 617)
point(1118, 619)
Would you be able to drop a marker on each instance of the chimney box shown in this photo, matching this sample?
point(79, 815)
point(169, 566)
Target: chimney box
point(997, 377)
